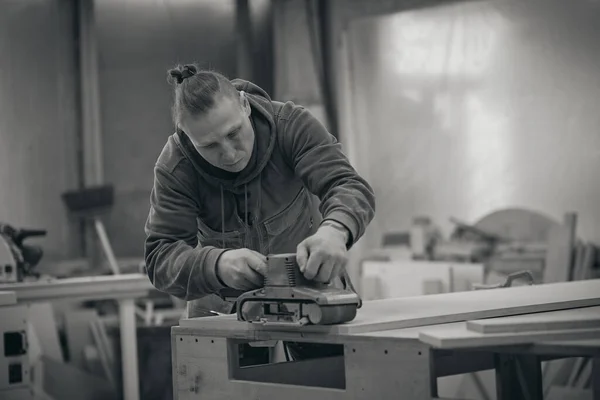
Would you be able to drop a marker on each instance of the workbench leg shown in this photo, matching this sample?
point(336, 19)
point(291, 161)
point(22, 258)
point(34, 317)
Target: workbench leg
point(129, 355)
point(596, 377)
point(518, 377)
point(433, 384)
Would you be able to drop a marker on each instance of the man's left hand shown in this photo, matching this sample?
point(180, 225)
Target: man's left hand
point(323, 256)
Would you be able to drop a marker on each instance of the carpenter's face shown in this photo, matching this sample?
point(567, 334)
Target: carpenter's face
point(223, 136)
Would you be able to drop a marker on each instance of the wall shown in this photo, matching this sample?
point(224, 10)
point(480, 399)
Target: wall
point(462, 109)
point(138, 42)
point(38, 120)
point(261, 14)
point(296, 73)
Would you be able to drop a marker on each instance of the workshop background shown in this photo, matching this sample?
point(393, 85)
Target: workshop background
point(452, 110)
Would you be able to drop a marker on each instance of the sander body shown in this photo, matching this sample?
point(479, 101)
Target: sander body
point(289, 299)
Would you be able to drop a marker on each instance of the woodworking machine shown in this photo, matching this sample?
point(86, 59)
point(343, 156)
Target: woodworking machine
point(18, 259)
point(289, 299)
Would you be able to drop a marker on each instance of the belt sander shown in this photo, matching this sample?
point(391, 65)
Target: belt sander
point(289, 299)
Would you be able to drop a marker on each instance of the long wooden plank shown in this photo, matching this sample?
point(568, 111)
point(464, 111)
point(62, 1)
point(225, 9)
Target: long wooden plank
point(84, 288)
point(580, 318)
point(461, 337)
point(378, 315)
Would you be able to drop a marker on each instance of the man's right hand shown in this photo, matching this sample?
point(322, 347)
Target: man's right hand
point(242, 269)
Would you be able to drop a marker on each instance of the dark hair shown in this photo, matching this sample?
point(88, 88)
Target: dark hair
point(196, 90)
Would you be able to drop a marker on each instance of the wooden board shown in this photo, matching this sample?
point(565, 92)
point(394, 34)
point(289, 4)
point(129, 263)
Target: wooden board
point(561, 239)
point(408, 312)
point(84, 288)
point(580, 318)
point(589, 258)
point(8, 298)
point(205, 367)
point(461, 337)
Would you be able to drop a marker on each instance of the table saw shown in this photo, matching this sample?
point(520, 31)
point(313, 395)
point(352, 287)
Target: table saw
point(394, 348)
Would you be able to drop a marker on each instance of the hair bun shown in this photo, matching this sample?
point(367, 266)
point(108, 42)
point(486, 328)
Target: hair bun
point(175, 76)
point(188, 70)
point(180, 73)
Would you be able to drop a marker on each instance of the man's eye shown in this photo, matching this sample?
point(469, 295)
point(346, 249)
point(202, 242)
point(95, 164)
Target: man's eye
point(210, 146)
point(232, 134)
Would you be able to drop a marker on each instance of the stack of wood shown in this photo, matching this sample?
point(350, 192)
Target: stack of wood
point(574, 325)
point(569, 378)
point(563, 257)
point(569, 259)
point(586, 262)
point(518, 256)
point(559, 258)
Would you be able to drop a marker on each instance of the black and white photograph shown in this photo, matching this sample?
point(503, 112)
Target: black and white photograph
point(300, 199)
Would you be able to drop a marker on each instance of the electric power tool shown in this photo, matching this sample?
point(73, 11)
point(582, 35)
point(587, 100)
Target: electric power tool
point(289, 299)
point(18, 259)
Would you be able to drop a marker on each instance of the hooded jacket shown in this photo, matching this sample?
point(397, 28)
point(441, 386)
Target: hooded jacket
point(297, 177)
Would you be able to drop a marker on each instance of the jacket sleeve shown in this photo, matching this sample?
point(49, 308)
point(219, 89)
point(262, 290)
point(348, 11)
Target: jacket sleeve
point(319, 161)
point(175, 262)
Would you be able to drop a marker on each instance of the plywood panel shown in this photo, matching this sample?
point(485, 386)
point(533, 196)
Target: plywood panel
point(581, 318)
point(408, 312)
point(371, 371)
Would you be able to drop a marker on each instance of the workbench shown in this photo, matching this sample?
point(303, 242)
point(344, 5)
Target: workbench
point(123, 288)
point(387, 350)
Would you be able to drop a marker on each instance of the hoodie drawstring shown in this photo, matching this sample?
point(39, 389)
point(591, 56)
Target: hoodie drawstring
point(246, 215)
point(223, 211)
point(246, 202)
point(222, 218)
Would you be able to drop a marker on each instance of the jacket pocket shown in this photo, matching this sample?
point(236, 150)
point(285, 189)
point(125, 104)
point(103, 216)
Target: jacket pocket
point(209, 237)
point(290, 226)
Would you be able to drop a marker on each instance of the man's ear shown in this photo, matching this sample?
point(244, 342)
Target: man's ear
point(245, 103)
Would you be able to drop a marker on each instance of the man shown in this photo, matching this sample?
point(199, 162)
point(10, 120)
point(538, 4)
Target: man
point(244, 176)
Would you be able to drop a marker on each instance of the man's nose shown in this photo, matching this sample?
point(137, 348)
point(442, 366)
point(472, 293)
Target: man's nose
point(228, 153)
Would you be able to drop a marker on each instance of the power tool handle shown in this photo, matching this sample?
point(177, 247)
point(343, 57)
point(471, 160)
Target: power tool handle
point(23, 234)
point(348, 285)
point(18, 235)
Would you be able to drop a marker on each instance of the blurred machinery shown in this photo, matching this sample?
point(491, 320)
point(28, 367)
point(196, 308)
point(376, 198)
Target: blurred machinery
point(17, 259)
point(14, 361)
point(505, 241)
